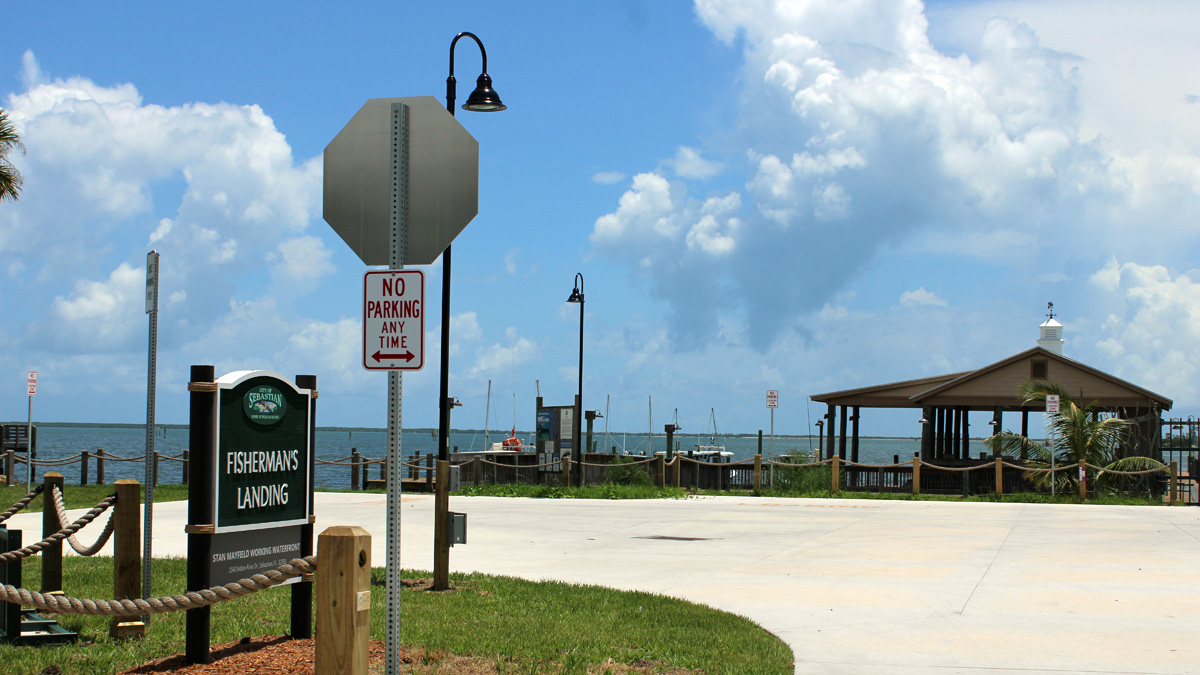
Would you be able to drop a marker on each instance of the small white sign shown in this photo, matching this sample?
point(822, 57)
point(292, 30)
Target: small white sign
point(1052, 404)
point(394, 320)
point(152, 282)
point(31, 382)
point(772, 398)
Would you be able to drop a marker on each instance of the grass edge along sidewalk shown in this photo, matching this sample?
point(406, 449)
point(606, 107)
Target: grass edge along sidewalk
point(521, 626)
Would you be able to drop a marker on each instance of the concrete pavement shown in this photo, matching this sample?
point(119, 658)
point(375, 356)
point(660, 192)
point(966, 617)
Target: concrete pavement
point(853, 586)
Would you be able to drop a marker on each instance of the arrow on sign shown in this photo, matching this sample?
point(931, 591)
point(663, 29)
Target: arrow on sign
point(407, 356)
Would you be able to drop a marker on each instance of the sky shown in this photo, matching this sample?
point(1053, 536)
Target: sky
point(804, 196)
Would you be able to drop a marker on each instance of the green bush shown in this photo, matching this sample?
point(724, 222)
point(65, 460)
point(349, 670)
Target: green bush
point(624, 471)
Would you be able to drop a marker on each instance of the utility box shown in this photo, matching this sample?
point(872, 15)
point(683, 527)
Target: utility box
point(457, 523)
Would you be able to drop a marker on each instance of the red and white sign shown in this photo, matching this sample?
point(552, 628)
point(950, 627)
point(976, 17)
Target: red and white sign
point(772, 398)
point(31, 382)
point(394, 320)
point(1052, 404)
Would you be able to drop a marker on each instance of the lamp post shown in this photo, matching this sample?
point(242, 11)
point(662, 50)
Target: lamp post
point(483, 99)
point(577, 296)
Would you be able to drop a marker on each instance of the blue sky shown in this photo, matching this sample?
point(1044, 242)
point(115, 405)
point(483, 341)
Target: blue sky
point(802, 196)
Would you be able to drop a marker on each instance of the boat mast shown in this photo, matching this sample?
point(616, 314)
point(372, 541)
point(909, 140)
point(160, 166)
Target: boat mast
point(486, 418)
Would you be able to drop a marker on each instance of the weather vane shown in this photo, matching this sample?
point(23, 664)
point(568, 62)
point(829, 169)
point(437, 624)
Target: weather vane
point(1050, 309)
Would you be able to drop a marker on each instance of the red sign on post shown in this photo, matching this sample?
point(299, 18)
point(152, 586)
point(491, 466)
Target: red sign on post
point(772, 398)
point(394, 320)
point(31, 382)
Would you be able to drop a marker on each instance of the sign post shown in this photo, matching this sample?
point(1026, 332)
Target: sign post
point(772, 404)
point(401, 181)
point(151, 386)
point(31, 387)
point(1053, 406)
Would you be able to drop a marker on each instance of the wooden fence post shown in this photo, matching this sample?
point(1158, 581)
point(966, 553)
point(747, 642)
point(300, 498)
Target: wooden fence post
point(429, 472)
point(1082, 481)
point(999, 475)
point(1173, 495)
point(83, 467)
point(353, 468)
point(9, 479)
point(566, 472)
point(758, 470)
point(676, 467)
point(343, 601)
point(916, 479)
point(51, 555)
point(154, 466)
point(127, 556)
point(660, 471)
point(99, 466)
point(836, 471)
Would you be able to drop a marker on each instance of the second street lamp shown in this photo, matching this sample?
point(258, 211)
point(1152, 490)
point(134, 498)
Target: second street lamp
point(577, 296)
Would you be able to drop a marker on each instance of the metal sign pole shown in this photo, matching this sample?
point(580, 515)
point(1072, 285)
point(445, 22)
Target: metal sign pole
point(151, 384)
point(29, 448)
point(399, 232)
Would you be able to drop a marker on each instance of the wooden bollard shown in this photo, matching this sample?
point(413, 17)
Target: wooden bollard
point(154, 466)
point(660, 471)
point(187, 462)
point(758, 470)
point(566, 472)
point(916, 480)
point(127, 556)
point(836, 473)
point(429, 472)
point(999, 475)
point(676, 467)
point(99, 466)
point(441, 523)
point(9, 479)
point(52, 554)
point(83, 467)
point(343, 600)
point(353, 468)
point(1173, 493)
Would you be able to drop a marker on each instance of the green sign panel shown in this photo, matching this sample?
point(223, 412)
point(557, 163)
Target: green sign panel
point(263, 448)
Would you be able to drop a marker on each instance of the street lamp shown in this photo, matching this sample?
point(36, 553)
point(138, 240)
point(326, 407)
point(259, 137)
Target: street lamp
point(577, 297)
point(483, 99)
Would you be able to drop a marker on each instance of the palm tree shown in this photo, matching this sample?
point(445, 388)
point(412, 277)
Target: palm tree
point(10, 178)
point(1086, 434)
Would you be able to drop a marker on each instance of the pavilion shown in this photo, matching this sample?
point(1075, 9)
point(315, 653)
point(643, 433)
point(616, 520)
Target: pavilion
point(946, 401)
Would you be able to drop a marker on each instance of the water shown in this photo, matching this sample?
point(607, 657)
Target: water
point(61, 442)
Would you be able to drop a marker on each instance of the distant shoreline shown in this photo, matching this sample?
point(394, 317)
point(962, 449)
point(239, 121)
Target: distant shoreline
point(498, 432)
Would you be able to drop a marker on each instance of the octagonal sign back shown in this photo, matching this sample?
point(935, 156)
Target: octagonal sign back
point(443, 180)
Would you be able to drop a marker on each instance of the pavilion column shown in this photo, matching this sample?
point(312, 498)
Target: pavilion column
point(831, 422)
point(927, 432)
point(842, 434)
point(966, 433)
point(956, 433)
point(1025, 422)
point(854, 437)
point(997, 421)
point(947, 437)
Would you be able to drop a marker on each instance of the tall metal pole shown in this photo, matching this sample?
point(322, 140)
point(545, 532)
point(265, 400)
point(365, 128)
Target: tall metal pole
point(151, 380)
point(399, 234)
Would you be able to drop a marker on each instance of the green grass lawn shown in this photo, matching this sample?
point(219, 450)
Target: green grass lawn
point(528, 627)
point(84, 496)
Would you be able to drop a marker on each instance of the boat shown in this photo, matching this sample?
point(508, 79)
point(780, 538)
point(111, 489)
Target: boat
point(511, 444)
point(714, 450)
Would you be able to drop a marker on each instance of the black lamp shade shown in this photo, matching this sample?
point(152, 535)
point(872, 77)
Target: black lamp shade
point(576, 296)
point(484, 98)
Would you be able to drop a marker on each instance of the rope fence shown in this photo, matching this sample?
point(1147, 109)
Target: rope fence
point(64, 533)
point(170, 603)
